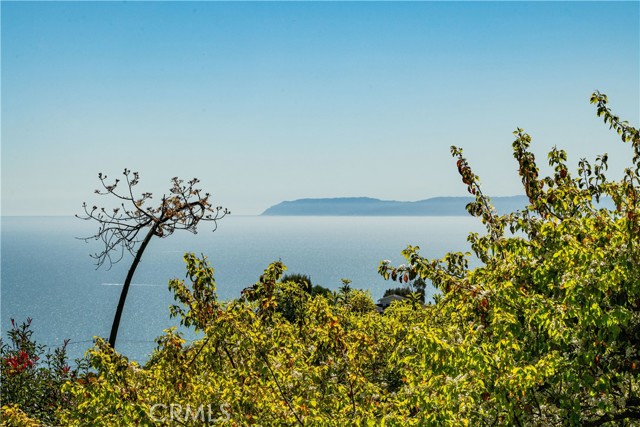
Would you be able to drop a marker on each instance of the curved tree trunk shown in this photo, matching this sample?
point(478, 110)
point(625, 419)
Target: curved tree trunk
point(127, 283)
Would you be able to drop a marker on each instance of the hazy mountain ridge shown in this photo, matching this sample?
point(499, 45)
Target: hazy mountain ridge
point(367, 206)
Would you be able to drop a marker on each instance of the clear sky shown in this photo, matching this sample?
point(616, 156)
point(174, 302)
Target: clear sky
point(268, 101)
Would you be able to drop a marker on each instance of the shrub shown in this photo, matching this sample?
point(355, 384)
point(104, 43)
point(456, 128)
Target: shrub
point(31, 377)
point(546, 332)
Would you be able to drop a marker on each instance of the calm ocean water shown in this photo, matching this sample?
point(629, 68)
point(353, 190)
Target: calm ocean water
point(46, 273)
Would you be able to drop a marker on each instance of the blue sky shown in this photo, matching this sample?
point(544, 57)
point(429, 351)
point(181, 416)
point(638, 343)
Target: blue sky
point(268, 101)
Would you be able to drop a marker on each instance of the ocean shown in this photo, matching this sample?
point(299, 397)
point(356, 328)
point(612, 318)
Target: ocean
point(47, 274)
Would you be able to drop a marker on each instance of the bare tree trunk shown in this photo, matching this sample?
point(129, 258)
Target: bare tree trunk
point(127, 283)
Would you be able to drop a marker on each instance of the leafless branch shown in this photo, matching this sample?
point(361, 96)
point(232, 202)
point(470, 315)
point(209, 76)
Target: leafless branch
point(120, 228)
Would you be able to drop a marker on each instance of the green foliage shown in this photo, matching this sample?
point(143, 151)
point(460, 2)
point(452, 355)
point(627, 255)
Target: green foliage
point(254, 365)
point(198, 303)
point(291, 300)
point(303, 280)
point(546, 332)
point(31, 378)
point(345, 289)
point(318, 290)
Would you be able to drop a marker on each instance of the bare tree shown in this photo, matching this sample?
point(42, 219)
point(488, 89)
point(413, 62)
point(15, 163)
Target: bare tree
point(123, 228)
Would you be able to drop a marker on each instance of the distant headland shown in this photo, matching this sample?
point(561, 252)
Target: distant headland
point(366, 206)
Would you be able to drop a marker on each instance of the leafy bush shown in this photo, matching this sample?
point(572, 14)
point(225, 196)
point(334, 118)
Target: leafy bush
point(303, 280)
point(31, 378)
point(546, 332)
point(318, 290)
point(253, 365)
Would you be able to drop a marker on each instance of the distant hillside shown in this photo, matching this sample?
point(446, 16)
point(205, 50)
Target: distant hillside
point(366, 206)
